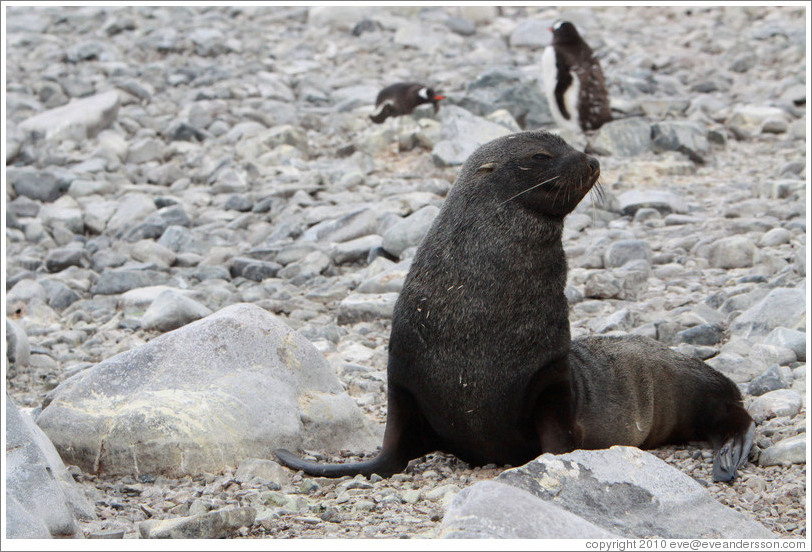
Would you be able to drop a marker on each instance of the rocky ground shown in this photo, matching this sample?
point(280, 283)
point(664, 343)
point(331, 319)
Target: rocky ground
point(238, 141)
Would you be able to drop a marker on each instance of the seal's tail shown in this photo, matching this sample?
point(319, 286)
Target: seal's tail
point(407, 436)
point(383, 465)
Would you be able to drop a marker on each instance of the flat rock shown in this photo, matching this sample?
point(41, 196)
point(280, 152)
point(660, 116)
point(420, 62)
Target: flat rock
point(493, 510)
point(355, 250)
point(88, 116)
point(782, 307)
point(631, 493)
point(782, 402)
point(119, 280)
point(216, 524)
point(196, 399)
point(663, 201)
point(363, 307)
point(791, 450)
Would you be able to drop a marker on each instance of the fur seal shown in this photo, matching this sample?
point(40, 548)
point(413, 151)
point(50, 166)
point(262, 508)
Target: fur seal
point(401, 99)
point(480, 359)
point(573, 81)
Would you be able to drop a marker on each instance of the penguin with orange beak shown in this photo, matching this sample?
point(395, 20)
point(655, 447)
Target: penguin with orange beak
point(401, 99)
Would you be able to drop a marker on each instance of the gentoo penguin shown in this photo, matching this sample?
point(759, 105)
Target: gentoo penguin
point(401, 98)
point(573, 81)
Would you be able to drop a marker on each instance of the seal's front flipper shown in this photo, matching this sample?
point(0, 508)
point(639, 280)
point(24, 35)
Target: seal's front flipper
point(732, 455)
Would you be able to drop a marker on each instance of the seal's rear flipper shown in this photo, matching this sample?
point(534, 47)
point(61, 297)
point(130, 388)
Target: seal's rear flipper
point(732, 455)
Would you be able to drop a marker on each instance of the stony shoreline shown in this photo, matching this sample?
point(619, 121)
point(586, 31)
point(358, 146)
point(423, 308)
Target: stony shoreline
point(226, 155)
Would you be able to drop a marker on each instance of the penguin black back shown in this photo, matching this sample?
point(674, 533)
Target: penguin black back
point(574, 81)
point(401, 99)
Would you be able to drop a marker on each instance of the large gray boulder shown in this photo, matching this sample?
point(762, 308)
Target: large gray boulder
point(622, 490)
point(236, 384)
point(42, 498)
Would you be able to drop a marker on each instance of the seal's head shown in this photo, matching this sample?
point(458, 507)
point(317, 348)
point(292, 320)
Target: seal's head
point(536, 170)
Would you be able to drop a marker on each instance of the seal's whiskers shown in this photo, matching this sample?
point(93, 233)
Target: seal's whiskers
point(597, 190)
point(530, 189)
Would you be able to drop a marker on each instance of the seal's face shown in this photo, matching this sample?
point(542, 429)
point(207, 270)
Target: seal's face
point(536, 170)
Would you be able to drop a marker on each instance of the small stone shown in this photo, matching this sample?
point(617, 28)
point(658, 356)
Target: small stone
point(790, 339)
point(239, 203)
point(42, 185)
point(410, 231)
point(621, 252)
point(118, 280)
point(772, 379)
point(363, 307)
point(62, 258)
point(782, 402)
point(774, 237)
point(624, 137)
point(260, 468)
point(146, 149)
point(171, 310)
point(663, 201)
point(253, 269)
point(702, 334)
point(732, 252)
point(787, 451)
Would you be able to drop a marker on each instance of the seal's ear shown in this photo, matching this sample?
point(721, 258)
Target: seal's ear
point(487, 167)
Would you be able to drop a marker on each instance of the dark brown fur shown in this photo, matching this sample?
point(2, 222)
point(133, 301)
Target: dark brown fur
point(479, 357)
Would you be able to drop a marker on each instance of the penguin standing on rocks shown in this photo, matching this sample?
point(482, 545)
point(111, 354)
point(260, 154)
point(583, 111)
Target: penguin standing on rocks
point(573, 81)
point(401, 99)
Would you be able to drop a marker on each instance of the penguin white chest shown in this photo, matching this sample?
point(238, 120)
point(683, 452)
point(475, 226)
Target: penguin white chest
point(570, 95)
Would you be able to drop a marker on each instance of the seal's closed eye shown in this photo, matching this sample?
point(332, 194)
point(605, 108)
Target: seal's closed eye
point(542, 157)
point(487, 167)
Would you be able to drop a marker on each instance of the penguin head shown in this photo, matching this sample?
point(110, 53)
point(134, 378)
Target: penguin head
point(427, 95)
point(564, 32)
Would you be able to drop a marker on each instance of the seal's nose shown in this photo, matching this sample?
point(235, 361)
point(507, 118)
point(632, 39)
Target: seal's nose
point(594, 165)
